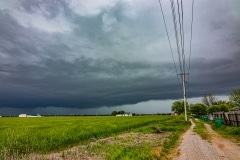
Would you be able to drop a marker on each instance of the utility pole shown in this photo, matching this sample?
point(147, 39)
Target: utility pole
point(184, 94)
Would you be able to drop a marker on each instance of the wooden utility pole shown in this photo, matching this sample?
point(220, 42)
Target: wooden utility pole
point(184, 94)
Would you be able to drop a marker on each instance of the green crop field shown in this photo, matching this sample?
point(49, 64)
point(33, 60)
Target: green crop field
point(23, 136)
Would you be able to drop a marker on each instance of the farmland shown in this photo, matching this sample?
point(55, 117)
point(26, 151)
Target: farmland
point(23, 136)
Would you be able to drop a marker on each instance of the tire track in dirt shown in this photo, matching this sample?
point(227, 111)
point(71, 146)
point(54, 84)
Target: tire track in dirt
point(225, 148)
point(193, 147)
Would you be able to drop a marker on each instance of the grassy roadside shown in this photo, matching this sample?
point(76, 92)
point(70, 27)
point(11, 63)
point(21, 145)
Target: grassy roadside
point(201, 129)
point(229, 132)
point(173, 141)
point(155, 147)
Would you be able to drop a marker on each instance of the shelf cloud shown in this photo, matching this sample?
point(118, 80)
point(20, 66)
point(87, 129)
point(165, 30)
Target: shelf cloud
point(78, 54)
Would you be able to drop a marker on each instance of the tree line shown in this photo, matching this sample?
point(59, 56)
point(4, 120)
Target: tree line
point(210, 104)
point(114, 113)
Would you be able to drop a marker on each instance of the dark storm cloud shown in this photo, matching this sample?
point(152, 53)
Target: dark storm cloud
point(55, 53)
point(218, 76)
point(84, 84)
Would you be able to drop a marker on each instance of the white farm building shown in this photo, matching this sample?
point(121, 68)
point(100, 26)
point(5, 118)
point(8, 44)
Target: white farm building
point(124, 115)
point(25, 115)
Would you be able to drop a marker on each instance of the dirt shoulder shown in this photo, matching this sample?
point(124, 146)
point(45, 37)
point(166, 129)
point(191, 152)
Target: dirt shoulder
point(219, 148)
point(224, 147)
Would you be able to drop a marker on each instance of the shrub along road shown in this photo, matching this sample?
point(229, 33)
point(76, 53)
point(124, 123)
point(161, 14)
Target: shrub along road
point(219, 148)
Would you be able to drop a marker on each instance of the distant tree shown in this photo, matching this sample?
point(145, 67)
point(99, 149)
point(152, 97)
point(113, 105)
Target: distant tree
point(235, 97)
point(121, 112)
point(220, 102)
point(235, 109)
point(198, 109)
point(178, 107)
point(224, 107)
point(212, 109)
point(219, 108)
point(209, 99)
point(226, 103)
point(114, 113)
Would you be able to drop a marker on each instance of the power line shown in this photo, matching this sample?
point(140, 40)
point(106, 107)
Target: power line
point(180, 24)
point(178, 19)
point(189, 64)
point(169, 40)
point(183, 54)
point(180, 31)
point(184, 73)
point(176, 34)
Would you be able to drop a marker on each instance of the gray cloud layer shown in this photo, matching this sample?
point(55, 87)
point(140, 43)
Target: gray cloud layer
point(92, 54)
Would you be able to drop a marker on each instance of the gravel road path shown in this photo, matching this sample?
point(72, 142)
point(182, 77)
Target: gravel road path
point(193, 147)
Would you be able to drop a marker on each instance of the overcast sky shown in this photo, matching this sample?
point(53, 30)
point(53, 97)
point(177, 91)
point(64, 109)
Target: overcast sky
point(73, 55)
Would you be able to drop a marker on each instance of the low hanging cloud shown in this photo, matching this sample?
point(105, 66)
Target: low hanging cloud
point(110, 53)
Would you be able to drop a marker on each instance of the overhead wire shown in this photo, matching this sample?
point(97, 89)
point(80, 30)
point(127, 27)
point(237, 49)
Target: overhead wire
point(169, 40)
point(183, 53)
point(176, 34)
point(180, 30)
point(190, 52)
point(178, 22)
point(181, 26)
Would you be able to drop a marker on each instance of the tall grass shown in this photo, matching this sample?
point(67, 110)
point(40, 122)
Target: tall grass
point(157, 149)
point(27, 135)
point(23, 136)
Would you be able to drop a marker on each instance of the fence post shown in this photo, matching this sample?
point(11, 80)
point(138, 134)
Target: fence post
point(230, 116)
point(237, 119)
point(225, 118)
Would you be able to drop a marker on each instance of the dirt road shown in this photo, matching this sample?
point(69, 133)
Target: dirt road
point(193, 147)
